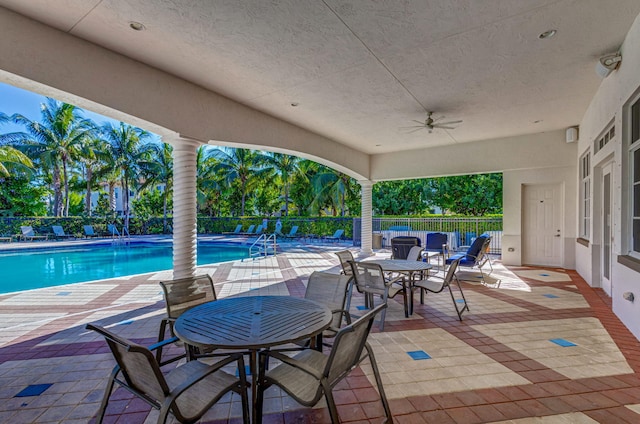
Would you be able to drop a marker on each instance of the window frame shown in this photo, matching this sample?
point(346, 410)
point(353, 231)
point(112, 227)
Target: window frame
point(584, 231)
point(632, 162)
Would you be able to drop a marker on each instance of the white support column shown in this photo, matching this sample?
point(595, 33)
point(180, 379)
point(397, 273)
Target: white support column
point(185, 232)
point(366, 227)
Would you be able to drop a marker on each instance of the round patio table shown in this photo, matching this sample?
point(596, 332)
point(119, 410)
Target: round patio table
point(252, 323)
point(404, 267)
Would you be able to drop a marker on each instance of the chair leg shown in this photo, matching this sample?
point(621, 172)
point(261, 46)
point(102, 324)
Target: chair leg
point(376, 373)
point(331, 404)
point(455, 304)
point(383, 314)
point(107, 394)
point(243, 390)
point(347, 306)
point(163, 329)
point(406, 304)
point(421, 296)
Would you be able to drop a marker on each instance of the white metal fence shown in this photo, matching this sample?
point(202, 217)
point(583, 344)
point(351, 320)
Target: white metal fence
point(460, 231)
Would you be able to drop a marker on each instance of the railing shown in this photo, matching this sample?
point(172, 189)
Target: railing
point(461, 231)
point(262, 245)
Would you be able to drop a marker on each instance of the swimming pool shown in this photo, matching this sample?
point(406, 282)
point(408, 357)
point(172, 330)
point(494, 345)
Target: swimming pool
point(37, 268)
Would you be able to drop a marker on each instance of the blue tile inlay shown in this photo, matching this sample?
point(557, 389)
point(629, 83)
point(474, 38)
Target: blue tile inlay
point(362, 308)
point(551, 296)
point(460, 300)
point(247, 371)
point(418, 355)
point(63, 294)
point(544, 275)
point(562, 342)
point(127, 322)
point(33, 390)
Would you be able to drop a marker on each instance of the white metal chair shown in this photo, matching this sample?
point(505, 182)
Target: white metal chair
point(436, 284)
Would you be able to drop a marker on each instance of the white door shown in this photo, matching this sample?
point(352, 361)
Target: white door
point(606, 226)
point(542, 218)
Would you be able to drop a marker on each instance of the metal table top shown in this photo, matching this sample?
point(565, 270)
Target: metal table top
point(253, 322)
point(401, 265)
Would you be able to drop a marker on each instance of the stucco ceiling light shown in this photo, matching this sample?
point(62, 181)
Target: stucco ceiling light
point(136, 26)
point(547, 34)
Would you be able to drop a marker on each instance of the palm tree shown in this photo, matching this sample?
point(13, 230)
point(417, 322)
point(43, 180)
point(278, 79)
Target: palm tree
point(55, 142)
point(10, 157)
point(286, 166)
point(209, 183)
point(160, 170)
point(332, 188)
point(131, 157)
point(91, 159)
point(240, 165)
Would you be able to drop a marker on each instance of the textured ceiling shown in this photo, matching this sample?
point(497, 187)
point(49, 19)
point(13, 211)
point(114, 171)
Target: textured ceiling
point(361, 70)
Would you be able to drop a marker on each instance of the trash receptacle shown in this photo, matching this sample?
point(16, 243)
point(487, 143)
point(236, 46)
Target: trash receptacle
point(376, 243)
point(401, 245)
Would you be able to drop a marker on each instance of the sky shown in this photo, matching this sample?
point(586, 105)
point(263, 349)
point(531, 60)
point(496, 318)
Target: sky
point(16, 100)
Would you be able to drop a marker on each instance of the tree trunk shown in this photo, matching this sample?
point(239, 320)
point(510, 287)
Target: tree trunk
point(112, 195)
point(65, 180)
point(125, 202)
point(87, 202)
point(57, 191)
point(286, 200)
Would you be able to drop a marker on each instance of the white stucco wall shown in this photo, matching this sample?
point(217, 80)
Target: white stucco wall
point(513, 182)
point(607, 105)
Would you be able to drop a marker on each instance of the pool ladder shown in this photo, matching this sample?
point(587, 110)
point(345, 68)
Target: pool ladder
point(121, 236)
point(265, 245)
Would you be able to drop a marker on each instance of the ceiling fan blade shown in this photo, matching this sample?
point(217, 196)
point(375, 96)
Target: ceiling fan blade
point(417, 129)
point(412, 126)
point(443, 127)
point(449, 123)
point(418, 122)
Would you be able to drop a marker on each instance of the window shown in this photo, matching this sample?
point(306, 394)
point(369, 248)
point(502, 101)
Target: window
point(585, 195)
point(634, 166)
point(604, 138)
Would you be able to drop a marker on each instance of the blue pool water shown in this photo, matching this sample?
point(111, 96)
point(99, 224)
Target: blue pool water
point(32, 269)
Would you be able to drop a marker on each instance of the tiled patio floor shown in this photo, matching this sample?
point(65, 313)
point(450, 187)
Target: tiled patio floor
point(538, 346)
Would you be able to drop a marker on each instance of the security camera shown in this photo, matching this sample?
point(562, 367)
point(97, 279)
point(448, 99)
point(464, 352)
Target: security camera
point(607, 64)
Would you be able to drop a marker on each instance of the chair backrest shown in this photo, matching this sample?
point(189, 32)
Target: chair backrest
point(345, 256)
point(58, 230)
point(27, 230)
point(137, 365)
point(238, 228)
point(293, 231)
point(260, 229)
point(113, 230)
point(250, 230)
point(338, 234)
point(435, 241)
point(185, 293)
point(476, 250)
point(368, 277)
point(401, 245)
point(415, 253)
point(329, 290)
point(348, 345)
point(451, 272)
point(88, 230)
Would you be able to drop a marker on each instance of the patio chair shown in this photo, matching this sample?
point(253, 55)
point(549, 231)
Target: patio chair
point(346, 257)
point(180, 295)
point(113, 230)
point(436, 246)
point(337, 236)
point(187, 391)
point(331, 290)
point(259, 230)
point(29, 234)
point(415, 254)
point(371, 280)
point(476, 256)
point(59, 233)
point(435, 284)
point(238, 230)
point(401, 245)
point(311, 375)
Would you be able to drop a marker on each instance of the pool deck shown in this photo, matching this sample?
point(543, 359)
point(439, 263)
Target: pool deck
point(500, 364)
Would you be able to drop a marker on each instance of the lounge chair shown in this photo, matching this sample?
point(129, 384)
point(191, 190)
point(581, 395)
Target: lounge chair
point(291, 234)
point(187, 391)
point(249, 231)
point(476, 256)
point(29, 234)
point(259, 230)
point(337, 236)
point(436, 246)
point(238, 230)
point(311, 375)
point(113, 231)
point(88, 231)
point(59, 233)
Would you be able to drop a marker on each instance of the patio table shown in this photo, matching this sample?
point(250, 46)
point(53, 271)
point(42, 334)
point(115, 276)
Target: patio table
point(402, 266)
point(252, 323)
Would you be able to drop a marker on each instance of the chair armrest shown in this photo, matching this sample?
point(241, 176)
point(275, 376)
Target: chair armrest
point(163, 343)
point(294, 363)
point(236, 357)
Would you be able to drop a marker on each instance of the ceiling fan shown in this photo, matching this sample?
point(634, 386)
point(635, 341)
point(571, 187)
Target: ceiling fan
point(431, 123)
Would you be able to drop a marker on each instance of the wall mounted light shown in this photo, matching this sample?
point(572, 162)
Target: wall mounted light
point(628, 296)
point(607, 64)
